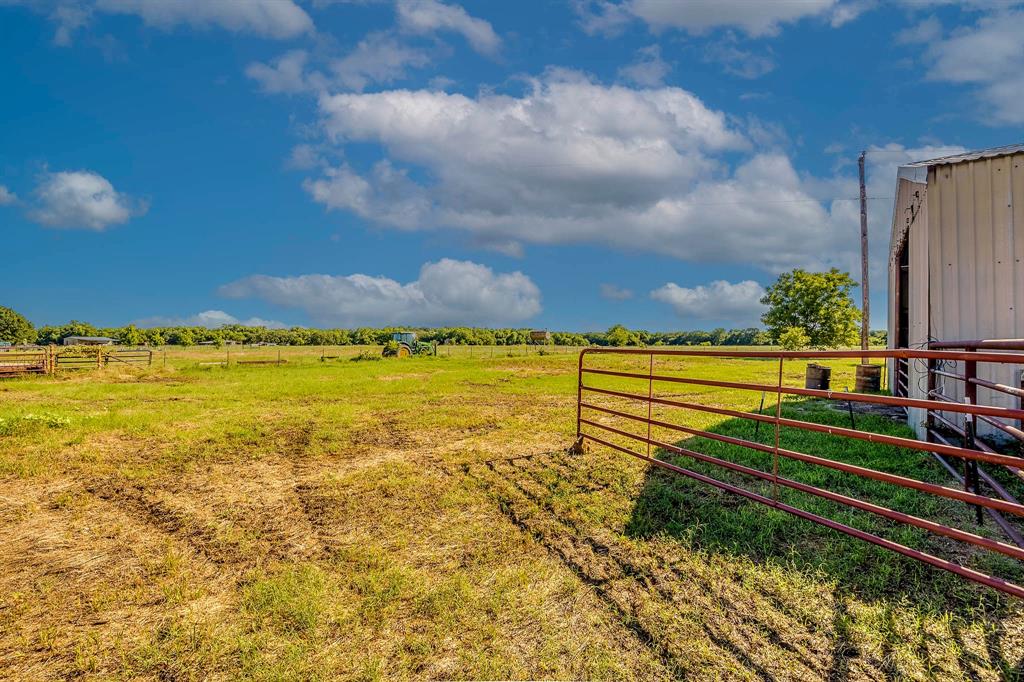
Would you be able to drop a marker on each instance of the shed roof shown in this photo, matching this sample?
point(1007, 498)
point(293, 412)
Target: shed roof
point(91, 338)
point(968, 156)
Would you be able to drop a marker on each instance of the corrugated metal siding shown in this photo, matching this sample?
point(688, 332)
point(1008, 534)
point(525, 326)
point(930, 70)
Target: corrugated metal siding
point(910, 222)
point(976, 258)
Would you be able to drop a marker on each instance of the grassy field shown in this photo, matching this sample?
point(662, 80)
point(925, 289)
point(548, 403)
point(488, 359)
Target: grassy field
point(421, 519)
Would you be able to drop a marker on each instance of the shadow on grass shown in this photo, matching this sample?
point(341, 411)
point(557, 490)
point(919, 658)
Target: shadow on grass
point(702, 517)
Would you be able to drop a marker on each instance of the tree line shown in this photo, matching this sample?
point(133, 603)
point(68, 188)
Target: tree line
point(131, 335)
point(617, 335)
point(803, 309)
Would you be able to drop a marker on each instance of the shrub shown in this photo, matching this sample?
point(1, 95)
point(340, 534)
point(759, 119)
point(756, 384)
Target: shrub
point(14, 328)
point(794, 338)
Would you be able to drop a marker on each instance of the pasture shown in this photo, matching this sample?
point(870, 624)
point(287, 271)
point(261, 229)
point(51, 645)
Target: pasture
point(420, 518)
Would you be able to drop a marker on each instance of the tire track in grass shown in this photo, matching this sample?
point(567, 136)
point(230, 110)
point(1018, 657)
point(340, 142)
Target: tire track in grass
point(614, 562)
point(647, 580)
point(621, 555)
point(563, 548)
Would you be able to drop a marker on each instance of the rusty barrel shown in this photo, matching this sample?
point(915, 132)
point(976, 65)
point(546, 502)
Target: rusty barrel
point(818, 376)
point(869, 378)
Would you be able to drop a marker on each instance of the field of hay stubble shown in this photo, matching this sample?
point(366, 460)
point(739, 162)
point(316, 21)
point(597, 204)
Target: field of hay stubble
point(420, 519)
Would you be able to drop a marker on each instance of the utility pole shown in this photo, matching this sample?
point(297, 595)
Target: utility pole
point(865, 310)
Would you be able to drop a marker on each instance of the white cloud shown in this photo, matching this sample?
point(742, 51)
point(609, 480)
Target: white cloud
point(378, 58)
point(388, 196)
point(211, 319)
point(278, 19)
point(720, 300)
point(285, 75)
point(304, 157)
point(268, 18)
point(81, 199)
point(69, 18)
point(429, 16)
point(575, 161)
point(7, 197)
point(700, 16)
point(922, 33)
point(990, 55)
point(615, 293)
point(448, 292)
point(845, 12)
point(649, 69)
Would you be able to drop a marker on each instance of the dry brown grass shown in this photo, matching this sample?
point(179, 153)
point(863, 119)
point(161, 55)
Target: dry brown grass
point(389, 521)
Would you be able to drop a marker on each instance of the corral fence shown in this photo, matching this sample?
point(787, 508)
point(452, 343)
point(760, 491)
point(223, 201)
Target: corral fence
point(15, 360)
point(653, 385)
point(97, 358)
point(496, 351)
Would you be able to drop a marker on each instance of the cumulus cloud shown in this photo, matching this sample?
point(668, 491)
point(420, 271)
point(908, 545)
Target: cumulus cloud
point(429, 16)
point(989, 55)
point(701, 16)
point(378, 58)
point(7, 197)
point(649, 69)
point(720, 300)
point(303, 157)
point(284, 75)
point(211, 319)
point(922, 33)
point(574, 161)
point(615, 293)
point(69, 18)
point(387, 195)
point(81, 199)
point(277, 19)
point(268, 18)
point(447, 292)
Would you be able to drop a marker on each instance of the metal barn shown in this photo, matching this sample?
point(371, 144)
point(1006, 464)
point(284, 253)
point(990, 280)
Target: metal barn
point(956, 268)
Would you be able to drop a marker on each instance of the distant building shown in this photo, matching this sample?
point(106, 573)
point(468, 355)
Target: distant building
point(956, 264)
point(89, 341)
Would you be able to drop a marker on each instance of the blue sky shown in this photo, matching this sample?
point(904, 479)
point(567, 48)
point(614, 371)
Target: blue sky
point(568, 165)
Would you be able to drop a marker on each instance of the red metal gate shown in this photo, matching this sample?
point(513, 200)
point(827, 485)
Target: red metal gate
point(593, 419)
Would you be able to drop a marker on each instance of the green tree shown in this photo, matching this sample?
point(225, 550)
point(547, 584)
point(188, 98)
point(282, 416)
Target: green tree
point(181, 336)
point(131, 336)
point(14, 328)
point(620, 336)
point(78, 328)
point(48, 334)
point(794, 338)
point(819, 303)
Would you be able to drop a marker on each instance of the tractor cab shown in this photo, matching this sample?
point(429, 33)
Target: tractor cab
point(408, 338)
point(404, 344)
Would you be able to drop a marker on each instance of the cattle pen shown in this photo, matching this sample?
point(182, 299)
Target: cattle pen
point(592, 418)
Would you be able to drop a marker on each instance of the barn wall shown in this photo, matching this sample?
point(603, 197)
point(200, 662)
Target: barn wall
point(976, 258)
point(910, 223)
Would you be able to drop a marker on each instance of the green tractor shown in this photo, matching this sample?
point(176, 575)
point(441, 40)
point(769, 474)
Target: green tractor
point(404, 344)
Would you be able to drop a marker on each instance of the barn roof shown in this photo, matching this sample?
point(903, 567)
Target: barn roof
point(969, 156)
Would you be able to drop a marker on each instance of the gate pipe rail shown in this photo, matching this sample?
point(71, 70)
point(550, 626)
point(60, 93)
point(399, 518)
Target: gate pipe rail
point(593, 417)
